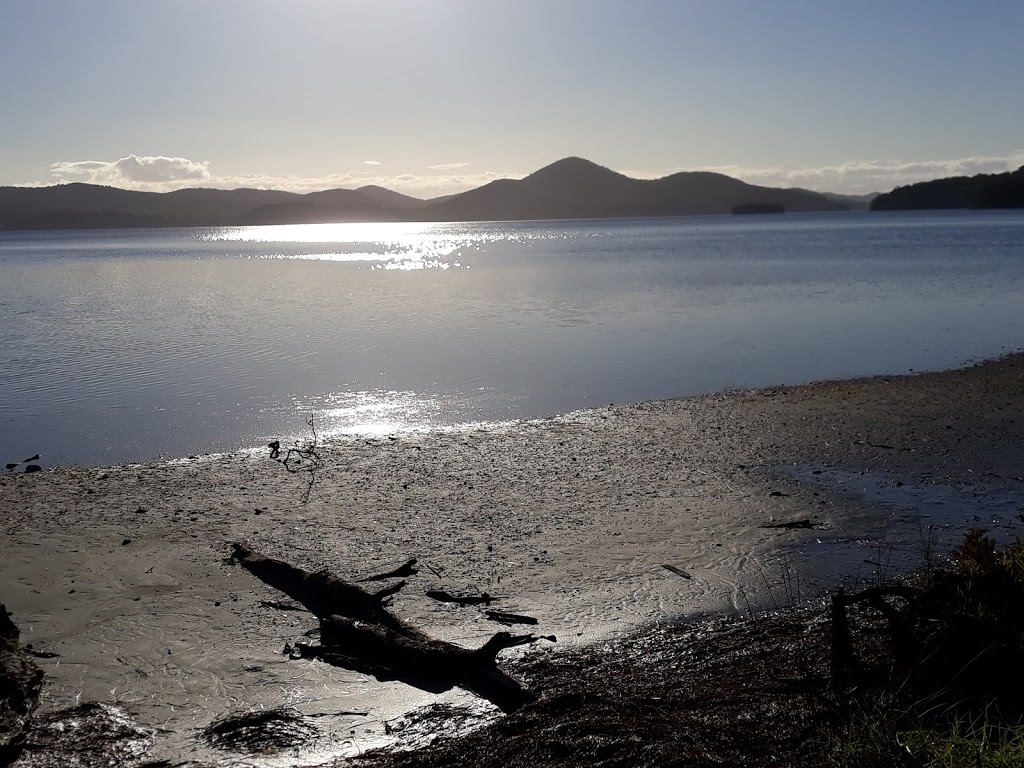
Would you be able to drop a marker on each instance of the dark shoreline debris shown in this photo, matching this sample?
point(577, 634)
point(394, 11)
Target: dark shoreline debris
point(805, 523)
point(20, 684)
point(508, 619)
point(446, 597)
point(875, 445)
point(676, 571)
point(404, 570)
point(359, 633)
point(263, 732)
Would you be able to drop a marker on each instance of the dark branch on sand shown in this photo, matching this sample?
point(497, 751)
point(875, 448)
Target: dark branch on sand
point(446, 597)
point(358, 632)
point(403, 571)
point(301, 458)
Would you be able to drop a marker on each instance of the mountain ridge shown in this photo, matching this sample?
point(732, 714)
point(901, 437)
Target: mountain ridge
point(570, 188)
point(984, 190)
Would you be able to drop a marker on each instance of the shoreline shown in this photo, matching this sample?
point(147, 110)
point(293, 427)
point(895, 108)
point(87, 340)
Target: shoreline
point(569, 519)
point(497, 424)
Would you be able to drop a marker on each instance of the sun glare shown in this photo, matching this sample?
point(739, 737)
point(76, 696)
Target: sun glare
point(383, 245)
point(348, 232)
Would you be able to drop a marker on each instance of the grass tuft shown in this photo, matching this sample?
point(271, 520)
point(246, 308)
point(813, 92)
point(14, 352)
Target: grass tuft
point(948, 692)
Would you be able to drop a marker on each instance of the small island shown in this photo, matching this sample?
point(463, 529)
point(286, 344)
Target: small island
point(746, 208)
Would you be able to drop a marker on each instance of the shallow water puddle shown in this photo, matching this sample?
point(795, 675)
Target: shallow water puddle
point(922, 519)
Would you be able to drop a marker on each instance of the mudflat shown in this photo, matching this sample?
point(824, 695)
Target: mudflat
point(122, 571)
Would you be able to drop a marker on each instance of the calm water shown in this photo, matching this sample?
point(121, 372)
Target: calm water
point(126, 345)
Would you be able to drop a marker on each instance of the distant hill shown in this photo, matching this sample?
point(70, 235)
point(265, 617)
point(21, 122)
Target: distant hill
point(993, 190)
point(84, 206)
point(757, 208)
point(90, 206)
point(856, 202)
point(391, 199)
point(574, 188)
point(568, 189)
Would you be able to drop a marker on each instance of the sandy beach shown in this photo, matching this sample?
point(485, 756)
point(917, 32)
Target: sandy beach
point(122, 572)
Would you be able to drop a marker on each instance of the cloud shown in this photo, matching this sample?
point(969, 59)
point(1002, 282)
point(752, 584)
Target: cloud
point(861, 176)
point(163, 174)
point(447, 166)
point(135, 172)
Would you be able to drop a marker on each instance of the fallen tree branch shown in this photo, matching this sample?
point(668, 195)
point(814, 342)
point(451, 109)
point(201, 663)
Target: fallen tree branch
point(404, 570)
point(446, 597)
point(357, 632)
point(322, 593)
point(502, 617)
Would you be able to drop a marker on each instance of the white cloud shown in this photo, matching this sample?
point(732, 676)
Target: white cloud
point(447, 166)
point(135, 172)
point(163, 174)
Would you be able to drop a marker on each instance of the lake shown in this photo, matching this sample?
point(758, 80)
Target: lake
point(129, 345)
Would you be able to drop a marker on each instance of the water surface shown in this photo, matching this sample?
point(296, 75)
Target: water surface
point(130, 344)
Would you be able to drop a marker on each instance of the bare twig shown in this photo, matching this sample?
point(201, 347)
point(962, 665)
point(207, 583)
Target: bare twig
point(301, 458)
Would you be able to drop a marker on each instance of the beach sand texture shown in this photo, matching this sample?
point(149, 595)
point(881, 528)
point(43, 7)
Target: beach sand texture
point(122, 571)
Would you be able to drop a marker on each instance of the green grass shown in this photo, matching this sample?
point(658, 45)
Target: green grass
point(875, 740)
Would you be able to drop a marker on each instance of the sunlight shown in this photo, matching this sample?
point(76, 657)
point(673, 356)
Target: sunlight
point(346, 232)
point(373, 413)
point(385, 245)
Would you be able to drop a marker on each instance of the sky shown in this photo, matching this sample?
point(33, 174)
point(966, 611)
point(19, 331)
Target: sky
point(430, 97)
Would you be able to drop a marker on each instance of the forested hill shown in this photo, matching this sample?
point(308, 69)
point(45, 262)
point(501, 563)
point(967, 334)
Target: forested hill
point(995, 190)
point(575, 188)
point(572, 188)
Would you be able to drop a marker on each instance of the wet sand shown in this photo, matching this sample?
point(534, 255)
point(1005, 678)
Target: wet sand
point(121, 571)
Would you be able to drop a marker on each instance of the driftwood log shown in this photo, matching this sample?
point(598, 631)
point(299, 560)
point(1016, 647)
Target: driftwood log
point(357, 632)
point(20, 680)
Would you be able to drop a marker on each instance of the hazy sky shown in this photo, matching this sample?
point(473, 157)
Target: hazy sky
point(430, 97)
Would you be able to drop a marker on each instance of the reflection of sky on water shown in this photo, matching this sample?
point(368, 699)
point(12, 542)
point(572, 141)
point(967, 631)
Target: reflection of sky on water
point(921, 514)
point(125, 345)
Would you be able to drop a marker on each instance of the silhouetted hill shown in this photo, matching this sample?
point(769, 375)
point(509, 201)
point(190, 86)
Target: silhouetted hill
point(330, 205)
point(986, 190)
point(219, 202)
point(568, 189)
point(390, 199)
point(574, 188)
point(757, 208)
point(320, 211)
point(856, 202)
point(79, 206)
point(90, 206)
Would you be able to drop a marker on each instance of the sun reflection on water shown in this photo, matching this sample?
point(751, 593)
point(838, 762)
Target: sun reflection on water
point(345, 232)
point(373, 412)
point(387, 245)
